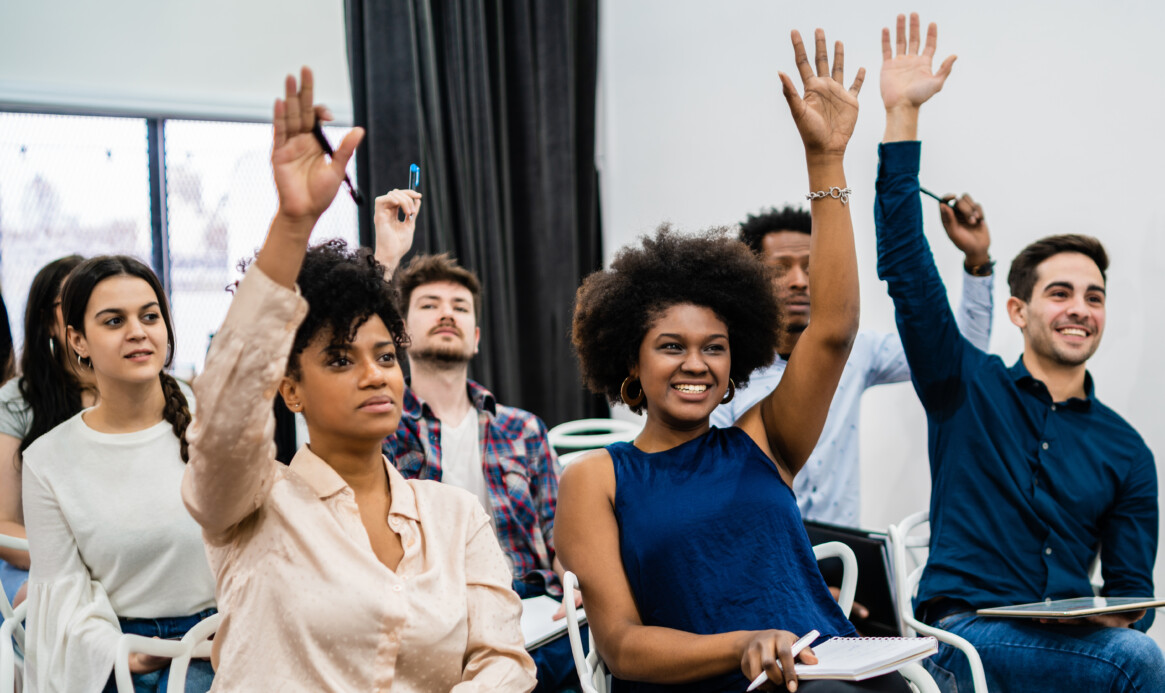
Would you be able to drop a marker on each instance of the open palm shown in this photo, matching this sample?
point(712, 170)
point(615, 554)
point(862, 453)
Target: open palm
point(825, 116)
point(306, 180)
point(907, 78)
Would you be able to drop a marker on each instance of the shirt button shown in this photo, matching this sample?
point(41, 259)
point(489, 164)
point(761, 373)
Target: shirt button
point(1048, 551)
point(398, 588)
point(1044, 446)
point(1053, 407)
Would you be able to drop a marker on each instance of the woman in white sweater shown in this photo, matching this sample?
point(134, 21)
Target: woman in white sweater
point(112, 548)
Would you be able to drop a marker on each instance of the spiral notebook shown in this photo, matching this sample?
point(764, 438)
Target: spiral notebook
point(858, 659)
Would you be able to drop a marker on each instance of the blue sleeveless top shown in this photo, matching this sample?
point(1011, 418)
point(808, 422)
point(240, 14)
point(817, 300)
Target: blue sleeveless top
point(712, 542)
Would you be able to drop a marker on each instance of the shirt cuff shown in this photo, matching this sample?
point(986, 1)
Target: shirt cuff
point(899, 157)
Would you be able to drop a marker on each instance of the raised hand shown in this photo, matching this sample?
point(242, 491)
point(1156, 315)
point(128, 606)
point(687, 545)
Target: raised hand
point(306, 181)
point(967, 229)
point(826, 114)
point(907, 79)
point(394, 237)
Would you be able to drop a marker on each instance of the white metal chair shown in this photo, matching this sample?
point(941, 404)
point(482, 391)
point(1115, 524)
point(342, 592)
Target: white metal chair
point(588, 434)
point(593, 674)
point(903, 538)
point(196, 643)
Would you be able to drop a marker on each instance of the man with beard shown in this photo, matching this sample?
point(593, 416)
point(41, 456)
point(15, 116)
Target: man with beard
point(453, 430)
point(1030, 473)
point(828, 489)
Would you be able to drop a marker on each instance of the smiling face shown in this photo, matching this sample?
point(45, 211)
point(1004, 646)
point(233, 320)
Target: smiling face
point(787, 252)
point(125, 335)
point(1063, 322)
point(351, 391)
point(684, 364)
point(441, 323)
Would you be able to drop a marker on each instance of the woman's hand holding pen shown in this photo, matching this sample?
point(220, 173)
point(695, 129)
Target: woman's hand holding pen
point(771, 652)
point(306, 180)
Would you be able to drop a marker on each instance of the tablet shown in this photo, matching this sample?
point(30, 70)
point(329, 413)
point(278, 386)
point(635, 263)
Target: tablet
point(1075, 608)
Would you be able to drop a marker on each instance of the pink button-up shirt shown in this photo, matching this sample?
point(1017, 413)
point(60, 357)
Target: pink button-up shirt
point(307, 604)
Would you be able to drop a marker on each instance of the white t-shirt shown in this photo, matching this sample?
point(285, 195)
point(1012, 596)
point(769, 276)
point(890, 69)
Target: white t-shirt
point(461, 463)
point(109, 537)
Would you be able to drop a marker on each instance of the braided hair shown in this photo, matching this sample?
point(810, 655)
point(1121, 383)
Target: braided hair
point(75, 299)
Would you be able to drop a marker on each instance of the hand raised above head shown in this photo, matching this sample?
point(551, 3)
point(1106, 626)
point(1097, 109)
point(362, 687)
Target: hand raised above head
point(304, 178)
point(826, 114)
point(907, 79)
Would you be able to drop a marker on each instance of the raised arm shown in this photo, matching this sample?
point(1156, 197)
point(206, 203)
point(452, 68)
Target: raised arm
point(232, 448)
point(394, 236)
point(788, 422)
point(930, 337)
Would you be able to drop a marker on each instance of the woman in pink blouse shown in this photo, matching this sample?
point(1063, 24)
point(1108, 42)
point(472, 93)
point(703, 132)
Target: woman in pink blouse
point(334, 573)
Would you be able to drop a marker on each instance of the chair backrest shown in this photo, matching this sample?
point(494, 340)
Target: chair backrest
point(588, 434)
point(904, 537)
point(196, 643)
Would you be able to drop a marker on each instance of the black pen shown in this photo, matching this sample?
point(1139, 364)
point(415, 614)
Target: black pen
point(318, 131)
point(950, 203)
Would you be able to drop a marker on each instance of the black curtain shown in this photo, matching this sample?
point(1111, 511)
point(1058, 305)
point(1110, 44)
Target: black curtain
point(495, 100)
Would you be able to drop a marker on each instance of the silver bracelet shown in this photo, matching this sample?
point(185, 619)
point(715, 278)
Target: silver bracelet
point(834, 192)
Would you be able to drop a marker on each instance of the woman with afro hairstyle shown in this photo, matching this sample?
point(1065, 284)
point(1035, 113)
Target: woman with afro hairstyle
point(334, 573)
point(694, 565)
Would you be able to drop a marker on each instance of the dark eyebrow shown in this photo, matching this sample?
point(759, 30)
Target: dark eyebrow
point(670, 335)
point(1069, 286)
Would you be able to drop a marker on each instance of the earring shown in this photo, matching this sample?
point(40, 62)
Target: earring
point(731, 392)
point(628, 399)
point(81, 362)
point(53, 346)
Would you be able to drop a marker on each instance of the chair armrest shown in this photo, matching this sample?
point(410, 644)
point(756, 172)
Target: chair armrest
point(582, 664)
point(128, 643)
point(849, 573)
point(8, 629)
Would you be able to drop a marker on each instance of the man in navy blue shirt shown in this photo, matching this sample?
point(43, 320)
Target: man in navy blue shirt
point(1030, 474)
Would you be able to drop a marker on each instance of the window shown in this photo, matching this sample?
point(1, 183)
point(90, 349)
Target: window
point(80, 184)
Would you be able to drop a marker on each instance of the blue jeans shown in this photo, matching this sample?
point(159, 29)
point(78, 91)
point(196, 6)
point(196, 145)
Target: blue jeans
point(1023, 655)
point(11, 578)
point(198, 677)
point(555, 662)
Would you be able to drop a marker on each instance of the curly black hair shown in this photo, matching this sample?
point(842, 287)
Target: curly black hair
point(343, 289)
point(754, 228)
point(615, 308)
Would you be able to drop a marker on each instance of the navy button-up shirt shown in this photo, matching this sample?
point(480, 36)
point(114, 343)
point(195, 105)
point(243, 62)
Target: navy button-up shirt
point(1024, 490)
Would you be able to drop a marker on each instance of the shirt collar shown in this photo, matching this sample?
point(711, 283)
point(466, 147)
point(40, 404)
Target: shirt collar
point(482, 399)
point(1023, 377)
point(324, 480)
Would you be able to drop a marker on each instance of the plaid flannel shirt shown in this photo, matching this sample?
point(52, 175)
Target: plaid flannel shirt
point(521, 473)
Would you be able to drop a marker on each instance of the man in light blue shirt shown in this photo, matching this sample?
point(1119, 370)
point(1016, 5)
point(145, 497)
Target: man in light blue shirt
point(828, 488)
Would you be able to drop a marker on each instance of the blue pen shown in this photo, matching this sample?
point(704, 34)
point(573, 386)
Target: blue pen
point(414, 177)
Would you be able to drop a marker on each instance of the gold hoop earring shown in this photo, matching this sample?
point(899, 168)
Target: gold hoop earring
point(625, 388)
point(731, 392)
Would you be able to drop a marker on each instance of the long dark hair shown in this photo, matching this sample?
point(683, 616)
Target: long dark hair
point(50, 389)
point(75, 300)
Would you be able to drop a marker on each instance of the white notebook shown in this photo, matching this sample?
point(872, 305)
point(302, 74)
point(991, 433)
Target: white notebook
point(857, 659)
point(537, 626)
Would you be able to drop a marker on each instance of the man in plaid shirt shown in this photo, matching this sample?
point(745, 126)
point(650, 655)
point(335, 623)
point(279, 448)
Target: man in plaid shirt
point(454, 430)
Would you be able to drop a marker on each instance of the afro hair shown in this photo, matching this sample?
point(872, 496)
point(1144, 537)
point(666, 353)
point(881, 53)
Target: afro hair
point(615, 308)
point(754, 229)
point(343, 289)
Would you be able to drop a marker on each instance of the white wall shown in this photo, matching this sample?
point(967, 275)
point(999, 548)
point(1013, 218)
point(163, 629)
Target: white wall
point(1051, 119)
point(217, 59)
